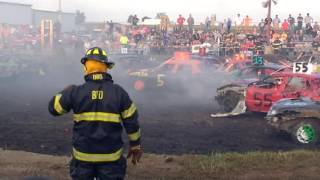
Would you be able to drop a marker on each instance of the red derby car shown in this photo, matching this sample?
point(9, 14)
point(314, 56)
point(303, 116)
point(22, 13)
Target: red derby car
point(259, 96)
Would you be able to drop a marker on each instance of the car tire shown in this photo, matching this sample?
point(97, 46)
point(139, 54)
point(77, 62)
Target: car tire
point(306, 132)
point(230, 101)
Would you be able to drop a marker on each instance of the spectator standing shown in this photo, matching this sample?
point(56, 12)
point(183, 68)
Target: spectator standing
point(291, 21)
point(164, 23)
point(238, 22)
point(300, 22)
point(247, 22)
point(308, 19)
point(276, 22)
point(190, 24)
point(135, 20)
point(207, 24)
point(285, 26)
point(229, 23)
point(111, 27)
point(213, 21)
point(225, 24)
point(261, 26)
point(180, 22)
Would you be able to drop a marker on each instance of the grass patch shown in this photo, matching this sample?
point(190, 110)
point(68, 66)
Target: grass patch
point(293, 165)
point(274, 165)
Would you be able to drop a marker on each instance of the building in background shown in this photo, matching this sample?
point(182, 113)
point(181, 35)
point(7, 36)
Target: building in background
point(23, 14)
point(15, 13)
point(67, 19)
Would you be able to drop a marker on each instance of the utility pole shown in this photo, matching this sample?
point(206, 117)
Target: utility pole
point(269, 21)
point(60, 11)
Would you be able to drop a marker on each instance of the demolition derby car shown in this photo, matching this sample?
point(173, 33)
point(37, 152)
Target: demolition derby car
point(20, 65)
point(253, 73)
point(240, 61)
point(261, 95)
point(242, 70)
point(179, 66)
point(298, 117)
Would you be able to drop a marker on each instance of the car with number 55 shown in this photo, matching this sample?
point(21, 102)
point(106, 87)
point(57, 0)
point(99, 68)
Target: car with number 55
point(261, 95)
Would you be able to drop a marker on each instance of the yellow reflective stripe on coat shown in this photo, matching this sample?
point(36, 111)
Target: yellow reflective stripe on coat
point(57, 105)
point(88, 157)
point(129, 112)
point(134, 136)
point(97, 116)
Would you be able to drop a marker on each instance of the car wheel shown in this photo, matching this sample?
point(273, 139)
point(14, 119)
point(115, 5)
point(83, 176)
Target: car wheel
point(230, 101)
point(306, 133)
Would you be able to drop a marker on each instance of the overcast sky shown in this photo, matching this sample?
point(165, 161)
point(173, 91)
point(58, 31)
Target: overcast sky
point(118, 10)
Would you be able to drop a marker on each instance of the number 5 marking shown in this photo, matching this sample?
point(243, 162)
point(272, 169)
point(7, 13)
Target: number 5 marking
point(160, 81)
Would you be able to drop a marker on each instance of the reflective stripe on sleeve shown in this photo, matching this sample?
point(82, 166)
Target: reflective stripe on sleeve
point(88, 157)
point(97, 116)
point(134, 136)
point(57, 105)
point(129, 112)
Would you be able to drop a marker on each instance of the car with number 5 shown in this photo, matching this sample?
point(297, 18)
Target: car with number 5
point(167, 74)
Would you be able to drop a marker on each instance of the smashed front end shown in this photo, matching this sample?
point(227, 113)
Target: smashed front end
point(231, 99)
point(283, 114)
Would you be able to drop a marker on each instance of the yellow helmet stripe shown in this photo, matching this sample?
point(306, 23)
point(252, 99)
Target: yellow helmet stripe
point(89, 52)
point(96, 51)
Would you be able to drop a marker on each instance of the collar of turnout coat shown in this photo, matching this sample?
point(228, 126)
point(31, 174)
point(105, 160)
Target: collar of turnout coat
point(98, 77)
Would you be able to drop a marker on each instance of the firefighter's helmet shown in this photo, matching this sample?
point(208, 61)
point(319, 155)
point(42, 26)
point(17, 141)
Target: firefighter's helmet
point(97, 54)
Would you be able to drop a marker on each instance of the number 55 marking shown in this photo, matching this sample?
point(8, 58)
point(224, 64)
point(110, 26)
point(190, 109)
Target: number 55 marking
point(160, 81)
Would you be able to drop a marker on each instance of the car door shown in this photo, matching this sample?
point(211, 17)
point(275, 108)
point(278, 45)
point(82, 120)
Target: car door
point(295, 87)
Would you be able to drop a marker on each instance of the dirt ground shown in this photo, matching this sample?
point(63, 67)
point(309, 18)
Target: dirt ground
point(172, 123)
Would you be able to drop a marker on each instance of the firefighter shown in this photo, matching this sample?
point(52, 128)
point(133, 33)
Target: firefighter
point(101, 109)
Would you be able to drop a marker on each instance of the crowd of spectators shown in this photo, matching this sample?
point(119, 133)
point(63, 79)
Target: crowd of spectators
point(229, 36)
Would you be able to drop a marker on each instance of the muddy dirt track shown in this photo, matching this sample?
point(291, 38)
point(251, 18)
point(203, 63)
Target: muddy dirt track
point(172, 123)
